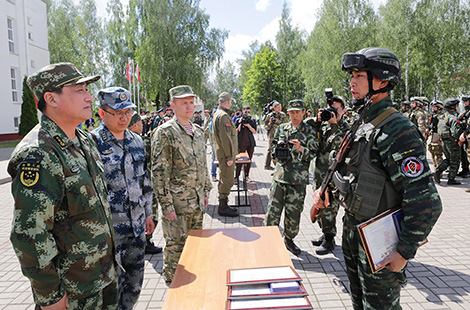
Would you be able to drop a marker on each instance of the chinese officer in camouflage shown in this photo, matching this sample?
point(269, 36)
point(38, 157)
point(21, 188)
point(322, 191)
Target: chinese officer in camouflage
point(129, 189)
point(271, 122)
point(62, 230)
point(449, 129)
point(180, 176)
point(136, 126)
point(435, 145)
point(385, 168)
point(331, 129)
point(295, 145)
point(226, 149)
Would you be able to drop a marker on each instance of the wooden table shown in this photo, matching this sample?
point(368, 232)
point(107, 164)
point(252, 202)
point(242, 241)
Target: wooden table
point(201, 276)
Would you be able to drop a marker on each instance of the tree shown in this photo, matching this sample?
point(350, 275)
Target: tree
point(264, 78)
point(29, 114)
point(226, 80)
point(343, 26)
point(290, 45)
point(174, 44)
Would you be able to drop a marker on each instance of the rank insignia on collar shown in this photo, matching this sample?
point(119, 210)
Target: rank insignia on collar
point(60, 141)
point(75, 169)
point(29, 175)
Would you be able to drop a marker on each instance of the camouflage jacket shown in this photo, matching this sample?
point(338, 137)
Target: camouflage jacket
point(279, 117)
point(449, 126)
point(128, 183)
point(62, 229)
point(420, 119)
point(398, 150)
point(295, 169)
point(225, 135)
point(179, 168)
point(330, 137)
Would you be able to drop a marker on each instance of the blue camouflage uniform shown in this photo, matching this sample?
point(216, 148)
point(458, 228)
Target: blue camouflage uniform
point(130, 199)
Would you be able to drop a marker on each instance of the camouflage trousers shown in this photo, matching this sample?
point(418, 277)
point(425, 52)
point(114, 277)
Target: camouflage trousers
point(452, 158)
point(270, 148)
point(291, 199)
point(368, 291)
point(436, 151)
point(327, 222)
point(226, 179)
point(130, 251)
point(175, 234)
point(106, 299)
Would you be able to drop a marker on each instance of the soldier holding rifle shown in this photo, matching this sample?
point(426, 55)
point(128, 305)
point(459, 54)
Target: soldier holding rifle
point(381, 165)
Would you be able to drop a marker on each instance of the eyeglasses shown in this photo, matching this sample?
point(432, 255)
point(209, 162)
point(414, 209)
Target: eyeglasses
point(120, 114)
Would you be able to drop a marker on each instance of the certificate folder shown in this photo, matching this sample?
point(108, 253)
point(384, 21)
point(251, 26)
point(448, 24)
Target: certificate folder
point(379, 236)
point(270, 304)
point(261, 275)
point(262, 291)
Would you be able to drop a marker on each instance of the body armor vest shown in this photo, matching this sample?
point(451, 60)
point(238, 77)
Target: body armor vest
point(360, 187)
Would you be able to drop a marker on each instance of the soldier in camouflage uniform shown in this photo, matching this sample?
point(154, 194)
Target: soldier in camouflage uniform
point(449, 129)
point(136, 126)
point(350, 116)
point(405, 108)
point(386, 167)
point(180, 176)
point(291, 175)
point(419, 116)
point(465, 136)
point(330, 135)
point(129, 190)
point(226, 150)
point(271, 122)
point(435, 145)
point(62, 229)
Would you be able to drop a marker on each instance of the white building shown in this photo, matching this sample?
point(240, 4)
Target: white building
point(25, 50)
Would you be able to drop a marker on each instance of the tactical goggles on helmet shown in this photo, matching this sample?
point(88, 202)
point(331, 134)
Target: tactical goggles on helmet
point(354, 61)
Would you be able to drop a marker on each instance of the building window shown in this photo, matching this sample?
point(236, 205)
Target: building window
point(11, 37)
point(14, 89)
point(16, 122)
point(30, 36)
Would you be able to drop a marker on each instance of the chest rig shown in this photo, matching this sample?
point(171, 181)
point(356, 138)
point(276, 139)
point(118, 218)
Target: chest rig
point(362, 188)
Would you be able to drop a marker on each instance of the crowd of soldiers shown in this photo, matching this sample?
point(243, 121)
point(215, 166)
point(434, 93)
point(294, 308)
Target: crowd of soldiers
point(445, 131)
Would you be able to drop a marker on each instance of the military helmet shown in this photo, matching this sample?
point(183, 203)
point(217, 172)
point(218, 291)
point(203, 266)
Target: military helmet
point(383, 63)
point(437, 103)
point(407, 103)
point(451, 102)
point(465, 98)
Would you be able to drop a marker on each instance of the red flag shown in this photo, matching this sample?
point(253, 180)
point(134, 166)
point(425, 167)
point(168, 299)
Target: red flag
point(129, 71)
point(137, 72)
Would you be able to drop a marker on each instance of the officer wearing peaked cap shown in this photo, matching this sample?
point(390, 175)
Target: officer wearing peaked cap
point(129, 191)
point(60, 192)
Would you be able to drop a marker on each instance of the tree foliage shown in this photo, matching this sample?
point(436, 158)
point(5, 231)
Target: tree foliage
point(29, 114)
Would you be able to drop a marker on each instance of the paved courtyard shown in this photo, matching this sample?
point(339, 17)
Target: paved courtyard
point(438, 278)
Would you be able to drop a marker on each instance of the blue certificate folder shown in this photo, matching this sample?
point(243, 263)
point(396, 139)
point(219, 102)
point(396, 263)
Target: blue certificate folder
point(380, 236)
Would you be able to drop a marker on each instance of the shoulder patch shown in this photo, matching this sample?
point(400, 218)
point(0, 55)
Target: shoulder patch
point(412, 167)
point(228, 124)
point(29, 174)
point(59, 140)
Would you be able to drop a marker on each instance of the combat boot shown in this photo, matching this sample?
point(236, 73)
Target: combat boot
point(437, 176)
point(327, 246)
point(150, 248)
point(453, 182)
point(318, 241)
point(225, 210)
point(290, 245)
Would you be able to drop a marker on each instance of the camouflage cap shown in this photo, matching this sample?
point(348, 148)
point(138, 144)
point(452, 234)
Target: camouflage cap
point(296, 105)
point(182, 91)
point(117, 98)
point(224, 97)
point(134, 119)
point(55, 76)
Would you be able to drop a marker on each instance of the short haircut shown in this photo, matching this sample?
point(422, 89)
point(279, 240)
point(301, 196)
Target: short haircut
point(42, 103)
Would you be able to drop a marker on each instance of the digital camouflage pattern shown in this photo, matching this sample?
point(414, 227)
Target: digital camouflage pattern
point(225, 139)
point(449, 129)
point(291, 178)
point(130, 199)
point(55, 76)
point(330, 137)
point(180, 181)
point(117, 98)
point(396, 144)
point(62, 229)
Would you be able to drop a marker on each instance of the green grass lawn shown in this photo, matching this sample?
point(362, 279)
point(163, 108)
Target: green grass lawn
point(4, 145)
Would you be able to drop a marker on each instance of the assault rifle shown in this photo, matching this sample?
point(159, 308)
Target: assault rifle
point(339, 159)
